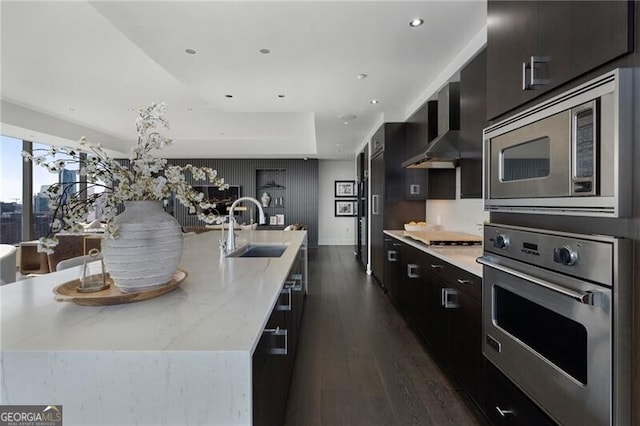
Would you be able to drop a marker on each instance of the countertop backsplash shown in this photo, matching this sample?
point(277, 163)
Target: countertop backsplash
point(463, 215)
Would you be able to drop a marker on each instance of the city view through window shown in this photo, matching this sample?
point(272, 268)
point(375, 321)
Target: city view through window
point(11, 184)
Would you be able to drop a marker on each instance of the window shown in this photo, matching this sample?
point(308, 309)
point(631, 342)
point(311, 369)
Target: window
point(42, 179)
point(10, 190)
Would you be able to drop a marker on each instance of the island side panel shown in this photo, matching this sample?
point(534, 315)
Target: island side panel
point(132, 387)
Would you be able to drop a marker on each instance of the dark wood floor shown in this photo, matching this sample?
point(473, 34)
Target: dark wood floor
point(358, 362)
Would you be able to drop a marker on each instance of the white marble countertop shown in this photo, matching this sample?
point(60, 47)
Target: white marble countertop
point(223, 305)
point(181, 358)
point(463, 257)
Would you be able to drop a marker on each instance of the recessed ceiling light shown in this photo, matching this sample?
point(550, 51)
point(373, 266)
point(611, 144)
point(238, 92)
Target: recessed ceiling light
point(228, 96)
point(416, 22)
point(374, 101)
point(190, 51)
point(281, 96)
point(265, 51)
point(361, 76)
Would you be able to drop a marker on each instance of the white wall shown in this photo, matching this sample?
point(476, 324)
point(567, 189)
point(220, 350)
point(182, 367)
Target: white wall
point(334, 230)
point(462, 215)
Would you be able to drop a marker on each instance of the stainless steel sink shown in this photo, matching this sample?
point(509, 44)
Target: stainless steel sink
point(259, 250)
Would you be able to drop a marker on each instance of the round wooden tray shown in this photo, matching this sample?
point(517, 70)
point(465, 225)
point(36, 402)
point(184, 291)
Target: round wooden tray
point(113, 296)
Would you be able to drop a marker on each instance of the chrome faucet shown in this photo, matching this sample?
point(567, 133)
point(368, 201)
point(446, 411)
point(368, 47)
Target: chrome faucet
point(230, 244)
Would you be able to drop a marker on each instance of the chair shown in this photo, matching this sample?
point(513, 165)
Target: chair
point(7, 264)
point(32, 261)
point(71, 246)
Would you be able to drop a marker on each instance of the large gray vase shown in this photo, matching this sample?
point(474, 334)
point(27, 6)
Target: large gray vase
point(148, 250)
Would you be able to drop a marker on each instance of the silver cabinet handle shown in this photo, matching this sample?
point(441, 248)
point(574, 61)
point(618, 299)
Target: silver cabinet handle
point(436, 266)
point(392, 255)
point(287, 307)
point(505, 413)
point(533, 81)
point(461, 281)
point(412, 271)
point(374, 204)
point(294, 285)
point(278, 332)
point(592, 298)
point(414, 189)
point(448, 303)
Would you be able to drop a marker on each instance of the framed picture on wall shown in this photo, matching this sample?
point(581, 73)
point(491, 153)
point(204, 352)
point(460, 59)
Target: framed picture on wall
point(345, 188)
point(345, 208)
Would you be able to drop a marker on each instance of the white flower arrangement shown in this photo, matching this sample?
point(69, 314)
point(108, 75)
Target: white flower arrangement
point(147, 178)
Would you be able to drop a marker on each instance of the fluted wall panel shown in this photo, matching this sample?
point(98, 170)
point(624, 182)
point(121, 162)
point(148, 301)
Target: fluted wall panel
point(300, 194)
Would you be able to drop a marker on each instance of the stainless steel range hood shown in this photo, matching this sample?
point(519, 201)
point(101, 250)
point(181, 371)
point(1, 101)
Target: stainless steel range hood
point(443, 152)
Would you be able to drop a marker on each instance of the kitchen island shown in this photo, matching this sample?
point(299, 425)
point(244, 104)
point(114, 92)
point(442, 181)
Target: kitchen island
point(182, 358)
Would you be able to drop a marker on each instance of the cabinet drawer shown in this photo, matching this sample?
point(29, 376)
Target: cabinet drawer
point(507, 405)
point(462, 280)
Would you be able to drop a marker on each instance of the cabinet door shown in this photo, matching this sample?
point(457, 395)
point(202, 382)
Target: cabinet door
point(269, 375)
point(465, 343)
point(377, 216)
point(416, 184)
point(473, 101)
point(600, 32)
point(566, 38)
point(511, 37)
point(506, 405)
point(392, 268)
point(378, 141)
point(414, 286)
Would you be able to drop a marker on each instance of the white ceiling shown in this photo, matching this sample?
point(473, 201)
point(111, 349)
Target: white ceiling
point(75, 66)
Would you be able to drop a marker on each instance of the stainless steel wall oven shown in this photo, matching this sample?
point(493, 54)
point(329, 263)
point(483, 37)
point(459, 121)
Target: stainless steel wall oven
point(557, 320)
point(567, 155)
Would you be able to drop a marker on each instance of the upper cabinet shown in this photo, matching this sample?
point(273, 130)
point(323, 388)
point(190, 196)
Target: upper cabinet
point(473, 97)
point(422, 127)
point(535, 46)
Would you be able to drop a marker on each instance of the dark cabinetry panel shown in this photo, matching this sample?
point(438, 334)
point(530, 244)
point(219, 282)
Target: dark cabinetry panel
point(392, 272)
point(423, 184)
point(274, 356)
point(473, 101)
point(389, 206)
point(565, 39)
point(443, 304)
point(506, 405)
point(422, 127)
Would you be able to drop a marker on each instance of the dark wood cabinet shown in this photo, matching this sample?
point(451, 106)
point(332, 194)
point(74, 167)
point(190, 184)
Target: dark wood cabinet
point(443, 305)
point(361, 224)
point(390, 209)
point(506, 405)
point(376, 203)
point(274, 356)
point(422, 127)
point(535, 46)
point(426, 184)
point(473, 101)
point(392, 271)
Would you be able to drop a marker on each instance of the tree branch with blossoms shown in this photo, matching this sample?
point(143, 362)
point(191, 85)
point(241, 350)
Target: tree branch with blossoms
point(148, 178)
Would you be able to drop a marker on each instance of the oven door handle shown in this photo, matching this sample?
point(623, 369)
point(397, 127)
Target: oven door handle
point(592, 298)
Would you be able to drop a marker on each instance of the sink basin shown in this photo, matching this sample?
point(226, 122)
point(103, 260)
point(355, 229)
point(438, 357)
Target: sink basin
point(256, 250)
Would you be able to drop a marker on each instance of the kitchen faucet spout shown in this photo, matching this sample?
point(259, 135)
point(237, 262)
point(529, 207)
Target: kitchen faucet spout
point(231, 240)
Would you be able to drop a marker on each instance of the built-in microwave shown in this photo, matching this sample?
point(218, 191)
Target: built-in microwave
point(566, 155)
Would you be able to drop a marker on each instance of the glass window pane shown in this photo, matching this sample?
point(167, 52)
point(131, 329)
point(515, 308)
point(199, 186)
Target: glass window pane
point(10, 190)
point(42, 179)
point(527, 160)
